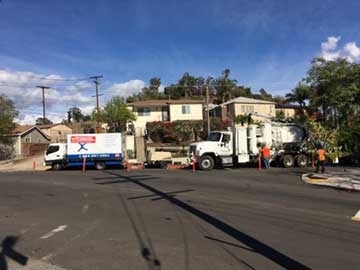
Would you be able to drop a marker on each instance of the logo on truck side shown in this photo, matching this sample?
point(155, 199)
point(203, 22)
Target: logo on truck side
point(82, 141)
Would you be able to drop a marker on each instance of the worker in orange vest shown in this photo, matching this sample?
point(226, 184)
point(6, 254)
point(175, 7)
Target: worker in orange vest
point(320, 159)
point(265, 156)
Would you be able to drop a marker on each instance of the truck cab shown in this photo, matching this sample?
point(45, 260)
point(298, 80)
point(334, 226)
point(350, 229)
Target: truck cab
point(55, 155)
point(218, 147)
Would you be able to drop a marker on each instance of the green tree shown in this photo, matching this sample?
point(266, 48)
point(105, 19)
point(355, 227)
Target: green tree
point(280, 115)
point(116, 114)
point(150, 92)
point(300, 94)
point(75, 115)
point(225, 87)
point(154, 85)
point(41, 121)
point(8, 113)
point(334, 89)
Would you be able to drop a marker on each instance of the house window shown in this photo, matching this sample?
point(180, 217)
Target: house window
point(28, 139)
point(143, 111)
point(247, 108)
point(185, 109)
point(271, 109)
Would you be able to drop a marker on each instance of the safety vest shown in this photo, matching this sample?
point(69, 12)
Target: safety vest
point(321, 154)
point(265, 152)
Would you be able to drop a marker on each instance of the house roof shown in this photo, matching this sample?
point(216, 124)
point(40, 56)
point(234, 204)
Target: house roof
point(287, 106)
point(25, 129)
point(247, 100)
point(51, 125)
point(164, 102)
point(18, 130)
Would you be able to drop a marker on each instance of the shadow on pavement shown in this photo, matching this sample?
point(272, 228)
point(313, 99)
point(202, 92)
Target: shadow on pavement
point(228, 243)
point(7, 251)
point(117, 181)
point(159, 198)
point(254, 244)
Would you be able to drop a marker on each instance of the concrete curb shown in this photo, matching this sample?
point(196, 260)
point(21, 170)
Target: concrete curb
point(343, 180)
point(4, 162)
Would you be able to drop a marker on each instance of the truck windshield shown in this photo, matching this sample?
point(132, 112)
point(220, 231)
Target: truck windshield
point(52, 149)
point(214, 137)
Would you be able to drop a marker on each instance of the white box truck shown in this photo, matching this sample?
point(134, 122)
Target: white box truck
point(242, 144)
point(99, 150)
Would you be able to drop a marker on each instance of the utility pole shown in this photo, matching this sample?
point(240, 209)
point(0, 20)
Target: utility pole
point(96, 81)
point(43, 99)
point(207, 109)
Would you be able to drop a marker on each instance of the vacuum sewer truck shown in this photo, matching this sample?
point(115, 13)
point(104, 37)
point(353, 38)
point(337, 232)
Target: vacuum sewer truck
point(242, 144)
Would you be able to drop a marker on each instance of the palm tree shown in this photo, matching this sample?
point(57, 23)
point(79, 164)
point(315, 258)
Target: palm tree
point(299, 94)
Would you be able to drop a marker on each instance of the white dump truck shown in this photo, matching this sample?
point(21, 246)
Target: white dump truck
point(242, 145)
point(99, 150)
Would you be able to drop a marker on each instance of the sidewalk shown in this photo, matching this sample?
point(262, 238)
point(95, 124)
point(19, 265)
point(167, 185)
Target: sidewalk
point(34, 265)
point(349, 179)
point(24, 164)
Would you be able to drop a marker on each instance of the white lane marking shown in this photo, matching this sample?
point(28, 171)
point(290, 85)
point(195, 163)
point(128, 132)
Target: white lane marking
point(51, 233)
point(357, 216)
point(85, 208)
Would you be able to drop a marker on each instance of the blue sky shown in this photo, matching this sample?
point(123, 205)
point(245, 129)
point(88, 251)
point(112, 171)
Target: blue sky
point(266, 44)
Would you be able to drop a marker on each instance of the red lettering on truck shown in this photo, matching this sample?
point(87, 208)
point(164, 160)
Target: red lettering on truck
point(83, 139)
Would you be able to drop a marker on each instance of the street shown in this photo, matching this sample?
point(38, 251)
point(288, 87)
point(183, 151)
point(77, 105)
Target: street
point(178, 219)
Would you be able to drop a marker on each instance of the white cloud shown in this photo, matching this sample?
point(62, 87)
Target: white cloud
point(87, 110)
point(352, 50)
point(330, 56)
point(329, 51)
point(21, 88)
point(30, 119)
point(126, 89)
point(330, 44)
point(82, 85)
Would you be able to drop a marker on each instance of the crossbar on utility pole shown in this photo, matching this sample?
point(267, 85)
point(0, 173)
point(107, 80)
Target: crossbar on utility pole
point(43, 99)
point(96, 81)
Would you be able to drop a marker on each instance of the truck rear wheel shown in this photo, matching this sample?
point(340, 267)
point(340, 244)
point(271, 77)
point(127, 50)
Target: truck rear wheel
point(57, 166)
point(100, 165)
point(301, 161)
point(288, 161)
point(206, 163)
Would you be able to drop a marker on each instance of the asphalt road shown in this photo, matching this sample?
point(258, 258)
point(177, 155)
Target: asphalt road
point(156, 219)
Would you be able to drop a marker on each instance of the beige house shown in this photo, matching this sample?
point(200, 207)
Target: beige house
point(288, 110)
point(165, 110)
point(28, 140)
point(261, 110)
point(57, 132)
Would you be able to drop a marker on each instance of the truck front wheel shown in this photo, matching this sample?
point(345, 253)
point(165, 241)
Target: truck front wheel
point(100, 165)
point(288, 161)
point(206, 163)
point(57, 166)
